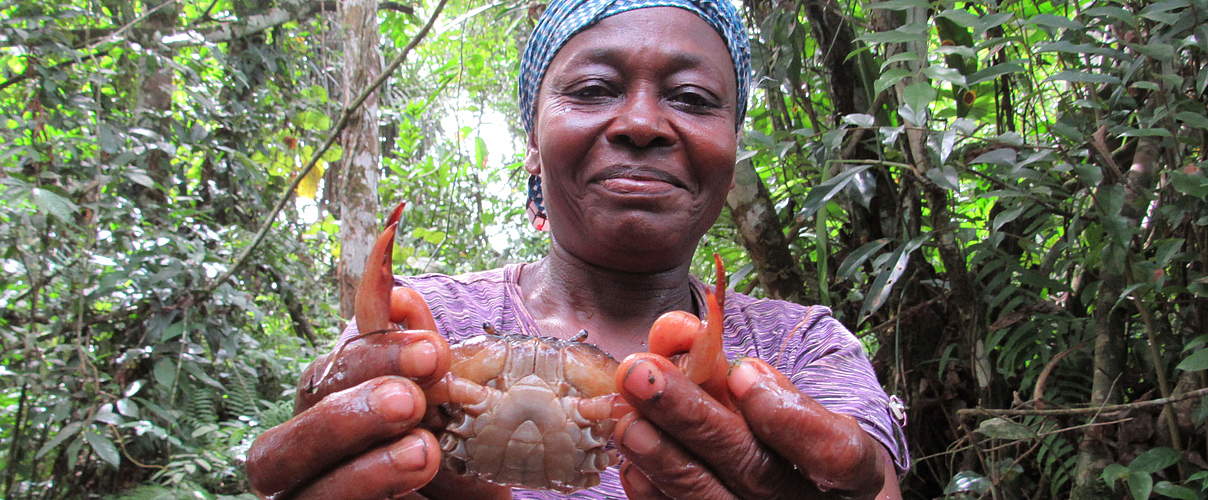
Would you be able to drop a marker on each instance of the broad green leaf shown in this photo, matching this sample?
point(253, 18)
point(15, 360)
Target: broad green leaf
point(1154, 460)
point(50, 202)
point(1195, 362)
point(1190, 184)
point(946, 74)
point(1112, 12)
point(995, 71)
point(1197, 120)
point(1001, 428)
point(1168, 489)
point(1052, 21)
point(945, 177)
point(1089, 174)
point(1145, 132)
point(899, 58)
point(165, 372)
point(1002, 156)
point(1158, 51)
point(900, 5)
point(127, 407)
point(918, 96)
point(1140, 485)
point(823, 192)
point(103, 447)
point(67, 431)
point(961, 17)
point(860, 119)
point(857, 257)
point(968, 482)
point(1163, 11)
point(959, 50)
point(889, 79)
point(878, 293)
point(1083, 77)
point(1080, 49)
point(913, 32)
point(1113, 473)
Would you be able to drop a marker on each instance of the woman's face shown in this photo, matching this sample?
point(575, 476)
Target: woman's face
point(635, 138)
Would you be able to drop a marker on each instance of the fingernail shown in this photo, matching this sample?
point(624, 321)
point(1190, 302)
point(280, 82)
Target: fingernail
point(742, 378)
point(392, 401)
point(418, 359)
point(645, 381)
point(641, 437)
point(410, 454)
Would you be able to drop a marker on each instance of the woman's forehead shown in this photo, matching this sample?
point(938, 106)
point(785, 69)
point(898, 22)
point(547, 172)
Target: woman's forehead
point(563, 19)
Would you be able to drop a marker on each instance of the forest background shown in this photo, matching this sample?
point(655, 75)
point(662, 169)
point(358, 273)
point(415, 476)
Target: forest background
point(1005, 201)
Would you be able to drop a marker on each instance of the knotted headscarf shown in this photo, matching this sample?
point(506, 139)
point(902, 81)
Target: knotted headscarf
point(564, 19)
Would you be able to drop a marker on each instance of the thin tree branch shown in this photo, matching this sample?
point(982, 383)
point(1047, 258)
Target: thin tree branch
point(1083, 411)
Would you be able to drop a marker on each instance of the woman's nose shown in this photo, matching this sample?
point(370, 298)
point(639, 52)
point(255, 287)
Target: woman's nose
point(641, 123)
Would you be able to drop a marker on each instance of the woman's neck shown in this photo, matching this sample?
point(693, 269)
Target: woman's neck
point(565, 295)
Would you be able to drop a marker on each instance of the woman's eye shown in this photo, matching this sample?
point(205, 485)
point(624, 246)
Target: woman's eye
point(694, 100)
point(593, 91)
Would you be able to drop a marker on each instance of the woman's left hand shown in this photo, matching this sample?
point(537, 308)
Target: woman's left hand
point(682, 443)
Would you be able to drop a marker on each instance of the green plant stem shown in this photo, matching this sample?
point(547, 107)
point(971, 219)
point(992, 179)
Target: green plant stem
point(1083, 411)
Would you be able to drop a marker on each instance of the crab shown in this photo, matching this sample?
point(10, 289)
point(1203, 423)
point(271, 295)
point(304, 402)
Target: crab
point(533, 412)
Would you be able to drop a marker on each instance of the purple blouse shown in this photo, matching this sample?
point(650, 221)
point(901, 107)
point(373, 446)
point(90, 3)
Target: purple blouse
point(809, 345)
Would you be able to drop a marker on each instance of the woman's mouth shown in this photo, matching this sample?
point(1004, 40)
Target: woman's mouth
point(629, 180)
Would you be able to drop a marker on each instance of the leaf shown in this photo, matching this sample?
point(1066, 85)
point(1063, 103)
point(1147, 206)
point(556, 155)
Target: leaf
point(859, 119)
point(50, 202)
point(961, 17)
point(1083, 77)
point(1113, 473)
point(913, 32)
point(944, 73)
point(1112, 12)
point(1154, 460)
point(1001, 428)
point(1196, 120)
point(1002, 156)
point(1140, 485)
point(878, 293)
point(308, 187)
point(822, 193)
point(945, 177)
point(103, 447)
point(900, 5)
point(1145, 132)
point(165, 372)
point(994, 71)
point(1189, 184)
point(1089, 174)
point(919, 95)
point(1195, 362)
point(1168, 489)
point(857, 257)
point(1161, 11)
point(889, 79)
point(127, 407)
point(67, 431)
point(1052, 21)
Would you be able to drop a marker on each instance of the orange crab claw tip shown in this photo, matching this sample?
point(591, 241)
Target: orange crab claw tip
point(396, 214)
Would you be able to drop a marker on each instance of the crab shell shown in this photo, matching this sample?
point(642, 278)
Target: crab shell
point(514, 412)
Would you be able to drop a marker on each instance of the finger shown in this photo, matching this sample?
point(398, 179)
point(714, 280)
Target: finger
point(666, 470)
point(703, 427)
point(637, 485)
point(829, 448)
point(388, 471)
point(421, 355)
point(342, 425)
point(449, 484)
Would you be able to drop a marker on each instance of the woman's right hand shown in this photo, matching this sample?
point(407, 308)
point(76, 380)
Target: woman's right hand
point(357, 432)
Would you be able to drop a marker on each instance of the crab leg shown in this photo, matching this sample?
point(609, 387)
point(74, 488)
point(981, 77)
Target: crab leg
point(679, 332)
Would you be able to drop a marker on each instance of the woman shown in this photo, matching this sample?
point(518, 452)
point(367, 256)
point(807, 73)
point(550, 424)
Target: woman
point(633, 109)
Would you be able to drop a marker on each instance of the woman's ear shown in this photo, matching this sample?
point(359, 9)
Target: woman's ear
point(532, 158)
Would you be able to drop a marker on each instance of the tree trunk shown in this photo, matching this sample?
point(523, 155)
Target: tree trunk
point(762, 236)
point(358, 169)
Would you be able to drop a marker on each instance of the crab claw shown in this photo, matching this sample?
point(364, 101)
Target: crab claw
point(374, 293)
point(679, 332)
point(380, 306)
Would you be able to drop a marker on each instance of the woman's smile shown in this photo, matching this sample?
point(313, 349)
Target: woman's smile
point(625, 180)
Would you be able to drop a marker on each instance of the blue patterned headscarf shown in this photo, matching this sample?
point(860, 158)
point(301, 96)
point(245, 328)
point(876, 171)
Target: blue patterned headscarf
point(564, 19)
